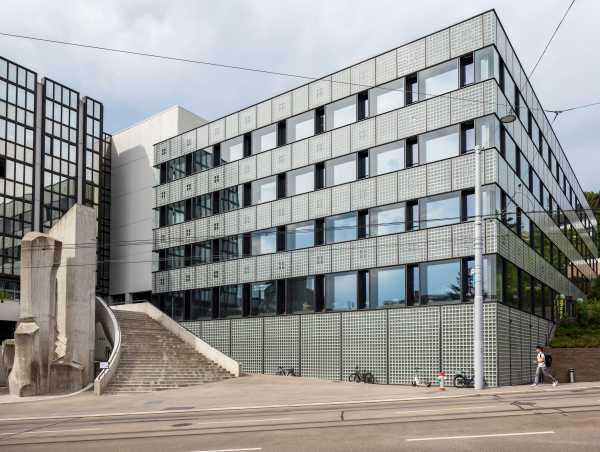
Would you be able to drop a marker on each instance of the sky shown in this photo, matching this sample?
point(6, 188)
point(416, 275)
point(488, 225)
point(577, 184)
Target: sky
point(311, 38)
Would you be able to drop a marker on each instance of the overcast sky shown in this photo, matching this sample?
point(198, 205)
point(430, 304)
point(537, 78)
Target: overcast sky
point(309, 37)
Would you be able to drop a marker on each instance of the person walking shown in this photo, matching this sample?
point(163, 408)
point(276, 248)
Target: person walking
point(542, 368)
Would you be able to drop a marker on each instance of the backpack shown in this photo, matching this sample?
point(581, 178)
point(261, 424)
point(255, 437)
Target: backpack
point(548, 360)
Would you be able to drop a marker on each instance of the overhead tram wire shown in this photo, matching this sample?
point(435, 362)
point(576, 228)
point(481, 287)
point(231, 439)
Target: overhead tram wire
point(241, 68)
point(551, 38)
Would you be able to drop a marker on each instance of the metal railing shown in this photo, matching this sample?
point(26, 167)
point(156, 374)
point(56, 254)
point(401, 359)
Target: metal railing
point(107, 318)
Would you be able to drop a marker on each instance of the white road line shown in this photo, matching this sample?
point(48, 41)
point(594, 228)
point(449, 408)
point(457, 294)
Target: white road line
point(448, 409)
point(229, 450)
point(244, 420)
point(41, 432)
point(491, 435)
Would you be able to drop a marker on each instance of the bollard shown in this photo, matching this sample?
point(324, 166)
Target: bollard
point(441, 376)
point(571, 375)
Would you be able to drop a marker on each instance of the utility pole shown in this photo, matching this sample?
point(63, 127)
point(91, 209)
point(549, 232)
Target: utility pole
point(478, 303)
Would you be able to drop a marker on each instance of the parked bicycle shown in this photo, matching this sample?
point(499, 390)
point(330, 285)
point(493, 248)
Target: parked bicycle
point(286, 372)
point(418, 381)
point(464, 381)
point(361, 376)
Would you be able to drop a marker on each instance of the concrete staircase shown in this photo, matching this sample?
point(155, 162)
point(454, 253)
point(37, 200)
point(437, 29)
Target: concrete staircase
point(153, 358)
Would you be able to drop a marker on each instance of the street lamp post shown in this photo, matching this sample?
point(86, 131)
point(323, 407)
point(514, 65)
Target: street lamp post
point(478, 302)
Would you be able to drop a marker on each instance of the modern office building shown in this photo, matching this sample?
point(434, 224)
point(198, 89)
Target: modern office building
point(132, 188)
point(331, 226)
point(53, 153)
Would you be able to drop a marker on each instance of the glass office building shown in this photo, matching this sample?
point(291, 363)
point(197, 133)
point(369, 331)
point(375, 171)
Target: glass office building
point(53, 153)
point(332, 225)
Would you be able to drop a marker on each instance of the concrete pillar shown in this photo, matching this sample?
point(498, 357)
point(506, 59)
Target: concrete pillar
point(34, 336)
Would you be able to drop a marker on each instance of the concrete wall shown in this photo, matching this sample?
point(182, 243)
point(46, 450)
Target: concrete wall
point(131, 208)
point(583, 360)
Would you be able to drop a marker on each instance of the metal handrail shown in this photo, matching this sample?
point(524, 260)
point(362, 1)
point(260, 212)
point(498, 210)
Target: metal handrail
point(104, 377)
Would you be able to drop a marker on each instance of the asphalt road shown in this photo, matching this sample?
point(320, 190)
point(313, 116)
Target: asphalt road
point(563, 421)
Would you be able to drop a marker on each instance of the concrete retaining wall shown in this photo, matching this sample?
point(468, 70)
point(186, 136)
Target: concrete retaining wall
point(585, 361)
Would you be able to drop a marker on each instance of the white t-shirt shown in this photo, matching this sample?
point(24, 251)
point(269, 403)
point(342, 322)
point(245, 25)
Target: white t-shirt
point(541, 359)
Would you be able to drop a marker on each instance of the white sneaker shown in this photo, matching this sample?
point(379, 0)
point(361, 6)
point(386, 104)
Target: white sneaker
point(533, 385)
point(555, 383)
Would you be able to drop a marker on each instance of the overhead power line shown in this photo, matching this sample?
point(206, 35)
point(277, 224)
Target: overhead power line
point(551, 38)
point(239, 67)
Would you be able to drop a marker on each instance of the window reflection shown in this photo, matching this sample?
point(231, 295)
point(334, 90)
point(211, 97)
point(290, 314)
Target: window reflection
point(340, 170)
point(300, 235)
point(439, 79)
point(263, 298)
point(264, 242)
point(300, 127)
point(387, 220)
point(230, 301)
point(387, 158)
point(388, 287)
point(439, 144)
point(300, 181)
point(387, 97)
point(264, 139)
point(341, 291)
point(341, 228)
point(440, 210)
point(300, 294)
point(440, 282)
point(264, 190)
point(340, 113)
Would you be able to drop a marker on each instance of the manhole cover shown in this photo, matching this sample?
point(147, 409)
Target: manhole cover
point(184, 424)
point(175, 408)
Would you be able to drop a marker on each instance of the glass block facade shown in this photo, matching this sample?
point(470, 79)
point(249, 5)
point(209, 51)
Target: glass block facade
point(352, 198)
point(48, 133)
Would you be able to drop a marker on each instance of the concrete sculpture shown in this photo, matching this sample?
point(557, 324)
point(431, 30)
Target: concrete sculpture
point(54, 339)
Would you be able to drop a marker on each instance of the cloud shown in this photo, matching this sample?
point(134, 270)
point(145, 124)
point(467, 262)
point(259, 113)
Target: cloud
point(309, 38)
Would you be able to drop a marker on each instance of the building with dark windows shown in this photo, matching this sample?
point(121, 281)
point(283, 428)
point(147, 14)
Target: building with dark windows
point(53, 153)
point(331, 226)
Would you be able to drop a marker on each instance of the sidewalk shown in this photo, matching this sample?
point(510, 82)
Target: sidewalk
point(254, 391)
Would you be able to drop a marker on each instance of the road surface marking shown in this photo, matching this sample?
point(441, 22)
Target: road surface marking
point(447, 409)
point(491, 435)
point(229, 450)
point(40, 432)
point(244, 420)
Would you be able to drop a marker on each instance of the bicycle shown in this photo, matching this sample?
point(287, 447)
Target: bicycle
point(361, 376)
point(463, 381)
point(286, 372)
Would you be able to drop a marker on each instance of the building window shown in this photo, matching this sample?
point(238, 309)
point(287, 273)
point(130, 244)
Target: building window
point(509, 87)
point(2, 164)
point(341, 228)
point(201, 206)
point(439, 144)
point(300, 294)
point(176, 169)
point(440, 282)
point(340, 170)
point(264, 242)
point(467, 137)
point(264, 190)
point(487, 131)
point(201, 304)
point(301, 126)
point(341, 291)
point(411, 89)
point(440, 210)
point(467, 70)
point(387, 97)
point(387, 220)
point(300, 235)
point(488, 277)
point(176, 213)
point(201, 160)
point(387, 287)
point(386, 158)
point(438, 79)
point(487, 64)
point(510, 150)
point(231, 301)
point(201, 253)
point(175, 257)
point(340, 113)
point(524, 170)
point(511, 284)
point(263, 298)
point(412, 152)
point(231, 198)
point(264, 139)
point(300, 181)
point(232, 150)
point(523, 112)
point(230, 248)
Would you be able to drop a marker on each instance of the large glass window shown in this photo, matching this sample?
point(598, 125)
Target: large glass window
point(340, 170)
point(523, 112)
point(175, 257)
point(439, 79)
point(511, 284)
point(300, 294)
point(440, 210)
point(201, 304)
point(487, 64)
point(341, 228)
point(232, 150)
point(439, 144)
point(230, 248)
point(176, 169)
point(488, 276)
point(300, 181)
point(509, 86)
point(201, 160)
point(301, 126)
point(231, 198)
point(510, 151)
point(525, 228)
point(386, 158)
point(300, 235)
point(524, 170)
point(201, 253)
point(387, 97)
point(176, 213)
point(264, 242)
point(264, 139)
point(264, 190)
point(440, 282)
point(341, 291)
point(387, 220)
point(387, 287)
point(231, 301)
point(340, 113)
point(263, 298)
point(487, 132)
point(201, 206)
